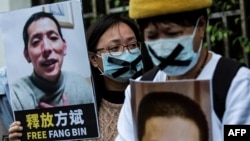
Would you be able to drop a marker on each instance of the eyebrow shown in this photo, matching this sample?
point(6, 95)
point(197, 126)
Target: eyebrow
point(37, 35)
point(52, 32)
point(119, 40)
point(131, 38)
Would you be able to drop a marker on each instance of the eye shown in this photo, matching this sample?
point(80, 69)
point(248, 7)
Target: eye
point(53, 37)
point(35, 42)
point(173, 34)
point(114, 48)
point(133, 45)
point(151, 36)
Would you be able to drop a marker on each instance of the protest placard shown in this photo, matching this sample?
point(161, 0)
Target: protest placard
point(49, 72)
point(155, 105)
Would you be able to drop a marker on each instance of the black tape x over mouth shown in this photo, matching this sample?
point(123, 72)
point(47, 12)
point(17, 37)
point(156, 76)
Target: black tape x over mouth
point(170, 60)
point(126, 65)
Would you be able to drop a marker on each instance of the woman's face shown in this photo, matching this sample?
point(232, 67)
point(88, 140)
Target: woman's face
point(119, 34)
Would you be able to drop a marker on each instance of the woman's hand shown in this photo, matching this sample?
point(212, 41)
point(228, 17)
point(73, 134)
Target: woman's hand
point(15, 131)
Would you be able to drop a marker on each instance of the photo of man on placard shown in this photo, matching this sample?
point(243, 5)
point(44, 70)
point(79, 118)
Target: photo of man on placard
point(48, 85)
point(51, 92)
point(157, 107)
point(171, 116)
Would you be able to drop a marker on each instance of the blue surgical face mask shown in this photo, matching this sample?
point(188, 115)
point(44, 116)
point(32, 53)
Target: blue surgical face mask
point(186, 59)
point(123, 67)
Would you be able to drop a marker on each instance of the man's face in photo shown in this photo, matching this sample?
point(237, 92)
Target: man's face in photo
point(46, 49)
point(170, 129)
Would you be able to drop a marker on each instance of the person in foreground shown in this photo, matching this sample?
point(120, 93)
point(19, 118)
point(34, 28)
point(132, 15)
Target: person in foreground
point(173, 31)
point(114, 47)
point(170, 116)
point(6, 115)
point(48, 86)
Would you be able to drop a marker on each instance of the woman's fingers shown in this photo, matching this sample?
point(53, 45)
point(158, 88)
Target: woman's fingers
point(15, 131)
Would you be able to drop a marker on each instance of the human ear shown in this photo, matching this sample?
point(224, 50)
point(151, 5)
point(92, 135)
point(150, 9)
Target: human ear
point(26, 55)
point(202, 27)
point(64, 48)
point(92, 59)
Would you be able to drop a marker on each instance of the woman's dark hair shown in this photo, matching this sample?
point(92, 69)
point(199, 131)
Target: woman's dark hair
point(35, 17)
point(184, 18)
point(170, 104)
point(94, 33)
